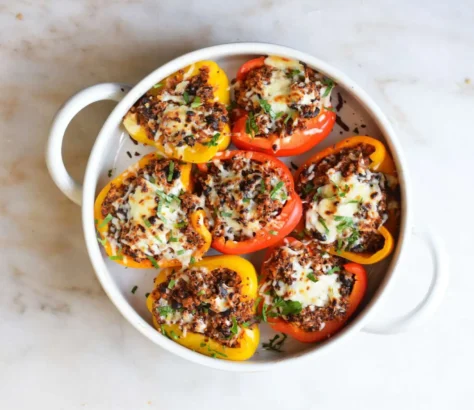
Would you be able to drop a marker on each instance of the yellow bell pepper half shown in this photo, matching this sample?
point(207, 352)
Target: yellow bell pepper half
point(381, 162)
point(196, 218)
point(198, 153)
point(250, 337)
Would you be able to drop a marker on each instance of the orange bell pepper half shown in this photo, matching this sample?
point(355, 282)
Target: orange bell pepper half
point(381, 161)
point(196, 219)
point(331, 327)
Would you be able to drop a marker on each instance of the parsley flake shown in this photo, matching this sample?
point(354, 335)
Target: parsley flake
point(170, 171)
point(333, 270)
point(153, 261)
point(106, 220)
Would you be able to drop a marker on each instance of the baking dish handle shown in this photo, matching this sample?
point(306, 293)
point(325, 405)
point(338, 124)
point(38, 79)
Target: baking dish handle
point(54, 158)
point(427, 307)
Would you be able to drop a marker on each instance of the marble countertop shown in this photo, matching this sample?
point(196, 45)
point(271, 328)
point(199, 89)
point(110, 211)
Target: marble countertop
point(63, 345)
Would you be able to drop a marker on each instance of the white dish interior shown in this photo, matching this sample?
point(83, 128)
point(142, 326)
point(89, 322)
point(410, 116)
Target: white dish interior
point(352, 114)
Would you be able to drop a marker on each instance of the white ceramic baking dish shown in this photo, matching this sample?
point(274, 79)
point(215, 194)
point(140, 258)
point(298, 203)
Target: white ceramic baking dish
point(110, 152)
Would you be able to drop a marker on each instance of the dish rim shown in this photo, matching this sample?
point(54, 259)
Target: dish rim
point(94, 167)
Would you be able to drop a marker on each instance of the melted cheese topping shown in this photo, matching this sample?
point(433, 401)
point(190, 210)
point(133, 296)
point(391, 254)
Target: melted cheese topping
point(303, 289)
point(248, 222)
point(162, 237)
point(216, 303)
point(328, 214)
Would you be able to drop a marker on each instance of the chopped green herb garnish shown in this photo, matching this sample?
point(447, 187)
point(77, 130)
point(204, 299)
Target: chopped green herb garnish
point(164, 310)
point(251, 127)
point(116, 257)
point(96, 221)
point(339, 245)
point(288, 117)
point(329, 83)
point(102, 241)
point(181, 252)
point(171, 284)
point(213, 141)
point(186, 97)
point(266, 107)
point(279, 115)
point(159, 85)
point(134, 289)
point(294, 73)
point(174, 335)
point(106, 220)
point(163, 331)
point(287, 307)
point(201, 292)
point(235, 327)
point(321, 221)
point(196, 102)
point(226, 214)
point(333, 270)
point(231, 106)
point(277, 187)
point(275, 343)
point(181, 224)
point(152, 179)
point(192, 260)
point(257, 301)
point(354, 201)
point(262, 186)
point(162, 218)
point(308, 188)
point(273, 233)
point(172, 239)
point(147, 223)
point(330, 109)
point(203, 344)
point(246, 324)
point(264, 312)
point(153, 261)
point(246, 200)
point(216, 352)
point(170, 171)
point(311, 277)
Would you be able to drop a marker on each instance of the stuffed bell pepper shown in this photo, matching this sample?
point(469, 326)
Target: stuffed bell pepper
point(351, 199)
point(283, 106)
point(185, 115)
point(251, 199)
point(306, 293)
point(209, 307)
point(147, 217)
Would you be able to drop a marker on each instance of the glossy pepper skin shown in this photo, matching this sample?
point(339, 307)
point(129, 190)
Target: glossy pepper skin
point(331, 327)
point(381, 162)
point(297, 143)
point(285, 222)
point(196, 218)
point(198, 342)
point(198, 153)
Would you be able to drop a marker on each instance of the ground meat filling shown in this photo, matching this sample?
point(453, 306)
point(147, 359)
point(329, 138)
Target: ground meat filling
point(345, 203)
point(243, 196)
point(307, 289)
point(149, 214)
point(281, 97)
point(182, 112)
point(205, 301)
